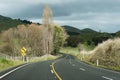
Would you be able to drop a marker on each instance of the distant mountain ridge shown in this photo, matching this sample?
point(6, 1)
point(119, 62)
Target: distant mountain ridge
point(6, 22)
point(75, 31)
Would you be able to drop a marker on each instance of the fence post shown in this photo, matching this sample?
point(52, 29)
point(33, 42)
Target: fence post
point(97, 62)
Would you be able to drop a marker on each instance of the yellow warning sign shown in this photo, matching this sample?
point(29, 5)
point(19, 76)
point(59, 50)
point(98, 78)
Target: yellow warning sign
point(23, 51)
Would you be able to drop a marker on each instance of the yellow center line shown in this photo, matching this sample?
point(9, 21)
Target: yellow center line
point(53, 68)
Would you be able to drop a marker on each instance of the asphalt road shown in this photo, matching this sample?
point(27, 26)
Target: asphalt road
point(66, 68)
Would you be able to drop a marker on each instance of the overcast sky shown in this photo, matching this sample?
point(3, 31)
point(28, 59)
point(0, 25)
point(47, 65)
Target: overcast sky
point(101, 15)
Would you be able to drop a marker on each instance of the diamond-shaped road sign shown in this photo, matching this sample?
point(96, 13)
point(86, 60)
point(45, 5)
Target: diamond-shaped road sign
point(23, 51)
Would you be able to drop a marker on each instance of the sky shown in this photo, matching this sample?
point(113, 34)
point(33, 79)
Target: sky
point(99, 15)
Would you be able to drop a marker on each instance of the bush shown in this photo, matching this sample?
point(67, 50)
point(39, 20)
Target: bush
point(108, 53)
point(2, 60)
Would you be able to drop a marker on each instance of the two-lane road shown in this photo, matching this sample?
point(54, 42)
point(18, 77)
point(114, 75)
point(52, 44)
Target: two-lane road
point(66, 67)
point(32, 71)
point(70, 68)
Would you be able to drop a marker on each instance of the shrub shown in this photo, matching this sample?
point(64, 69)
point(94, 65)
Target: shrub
point(108, 53)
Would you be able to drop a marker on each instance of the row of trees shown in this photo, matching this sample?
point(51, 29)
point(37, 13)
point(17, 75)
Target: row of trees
point(34, 38)
point(37, 39)
point(74, 40)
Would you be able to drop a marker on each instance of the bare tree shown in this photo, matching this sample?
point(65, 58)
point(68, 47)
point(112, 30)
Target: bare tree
point(48, 30)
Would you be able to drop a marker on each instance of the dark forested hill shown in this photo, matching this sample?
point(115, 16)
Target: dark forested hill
point(71, 30)
point(87, 36)
point(6, 23)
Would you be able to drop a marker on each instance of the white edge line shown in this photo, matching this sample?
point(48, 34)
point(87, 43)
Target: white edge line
point(12, 71)
point(51, 71)
point(82, 69)
point(107, 78)
point(98, 67)
point(73, 64)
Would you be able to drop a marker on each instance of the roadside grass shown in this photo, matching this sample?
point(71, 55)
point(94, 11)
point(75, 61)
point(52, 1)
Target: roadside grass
point(88, 47)
point(1, 43)
point(115, 68)
point(69, 50)
point(108, 54)
point(86, 60)
point(75, 52)
point(5, 64)
point(45, 58)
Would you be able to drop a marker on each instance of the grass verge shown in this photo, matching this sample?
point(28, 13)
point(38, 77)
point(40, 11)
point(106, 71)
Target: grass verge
point(5, 64)
point(74, 52)
point(70, 50)
point(45, 58)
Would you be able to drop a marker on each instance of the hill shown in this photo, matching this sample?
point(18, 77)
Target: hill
point(88, 30)
point(75, 31)
point(86, 36)
point(71, 30)
point(117, 34)
point(6, 23)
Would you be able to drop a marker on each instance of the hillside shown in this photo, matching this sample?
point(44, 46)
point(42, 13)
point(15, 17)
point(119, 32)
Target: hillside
point(71, 30)
point(88, 30)
point(75, 31)
point(86, 36)
point(117, 34)
point(6, 23)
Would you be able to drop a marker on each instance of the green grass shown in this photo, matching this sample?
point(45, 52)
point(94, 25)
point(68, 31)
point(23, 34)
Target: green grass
point(5, 64)
point(1, 43)
point(74, 50)
point(115, 68)
point(88, 47)
point(69, 50)
point(86, 60)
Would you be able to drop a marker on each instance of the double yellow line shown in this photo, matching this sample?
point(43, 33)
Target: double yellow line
point(53, 68)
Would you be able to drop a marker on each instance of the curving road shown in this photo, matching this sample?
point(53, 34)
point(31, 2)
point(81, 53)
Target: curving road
point(64, 68)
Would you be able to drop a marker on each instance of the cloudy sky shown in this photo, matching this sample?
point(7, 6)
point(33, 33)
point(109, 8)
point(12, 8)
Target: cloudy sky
point(101, 15)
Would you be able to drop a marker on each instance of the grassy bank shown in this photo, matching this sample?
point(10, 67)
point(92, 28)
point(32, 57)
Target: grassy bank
point(45, 58)
point(86, 58)
point(69, 50)
point(108, 54)
point(5, 64)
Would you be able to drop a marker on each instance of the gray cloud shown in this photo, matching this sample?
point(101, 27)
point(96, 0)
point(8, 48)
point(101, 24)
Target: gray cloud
point(95, 14)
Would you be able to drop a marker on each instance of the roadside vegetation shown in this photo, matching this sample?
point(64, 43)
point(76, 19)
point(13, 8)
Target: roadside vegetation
point(77, 50)
point(69, 50)
point(39, 40)
point(45, 58)
point(42, 42)
point(107, 53)
point(8, 63)
point(33, 38)
point(5, 63)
